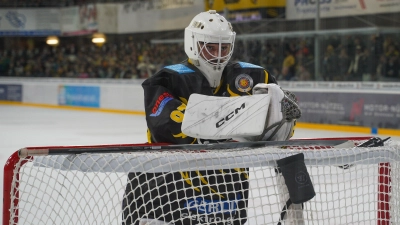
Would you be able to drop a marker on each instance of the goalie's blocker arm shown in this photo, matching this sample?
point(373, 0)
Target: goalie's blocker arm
point(268, 115)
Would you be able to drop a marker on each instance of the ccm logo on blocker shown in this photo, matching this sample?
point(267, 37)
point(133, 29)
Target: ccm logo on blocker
point(229, 116)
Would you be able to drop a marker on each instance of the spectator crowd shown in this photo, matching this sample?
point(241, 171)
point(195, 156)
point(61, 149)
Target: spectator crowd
point(342, 58)
point(124, 60)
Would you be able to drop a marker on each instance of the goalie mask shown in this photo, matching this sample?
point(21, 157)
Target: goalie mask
point(209, 41)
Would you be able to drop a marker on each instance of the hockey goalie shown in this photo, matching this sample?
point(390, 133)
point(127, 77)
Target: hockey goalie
point(207, 98)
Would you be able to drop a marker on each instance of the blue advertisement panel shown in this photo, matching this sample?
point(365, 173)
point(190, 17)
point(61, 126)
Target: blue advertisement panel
point(11, 92)
point(87, 96)
point(359, 109)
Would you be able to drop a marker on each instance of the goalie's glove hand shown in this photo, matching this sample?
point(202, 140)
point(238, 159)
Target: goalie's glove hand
point(282, 114)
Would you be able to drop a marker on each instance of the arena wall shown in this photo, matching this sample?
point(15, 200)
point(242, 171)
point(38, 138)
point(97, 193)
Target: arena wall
point(96, 94)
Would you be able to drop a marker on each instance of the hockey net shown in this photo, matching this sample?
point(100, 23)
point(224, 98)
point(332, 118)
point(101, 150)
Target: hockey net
point(353, 185)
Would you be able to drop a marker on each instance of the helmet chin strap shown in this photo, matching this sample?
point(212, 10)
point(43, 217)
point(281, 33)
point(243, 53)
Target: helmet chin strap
point(195, 62)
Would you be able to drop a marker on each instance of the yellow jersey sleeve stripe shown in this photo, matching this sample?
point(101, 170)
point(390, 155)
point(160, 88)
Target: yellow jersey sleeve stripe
point(231, 93)
point(266, 76)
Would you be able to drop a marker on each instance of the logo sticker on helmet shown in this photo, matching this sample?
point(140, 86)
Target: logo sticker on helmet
point(244, 82)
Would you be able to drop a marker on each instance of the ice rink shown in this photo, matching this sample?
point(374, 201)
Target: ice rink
point(23, 126)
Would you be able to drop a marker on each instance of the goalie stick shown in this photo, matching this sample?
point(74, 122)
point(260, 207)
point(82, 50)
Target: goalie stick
point(164, 146)
point(373, 142)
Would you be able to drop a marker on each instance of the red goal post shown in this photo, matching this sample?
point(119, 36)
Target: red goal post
point(385, 158)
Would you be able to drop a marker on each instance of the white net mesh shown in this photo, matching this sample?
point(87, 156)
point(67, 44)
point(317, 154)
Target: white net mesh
point(238, 186)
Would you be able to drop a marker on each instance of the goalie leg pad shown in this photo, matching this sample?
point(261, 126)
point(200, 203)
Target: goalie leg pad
point(296, 177)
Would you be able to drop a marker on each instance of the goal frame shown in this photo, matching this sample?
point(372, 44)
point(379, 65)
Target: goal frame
point(384, 188)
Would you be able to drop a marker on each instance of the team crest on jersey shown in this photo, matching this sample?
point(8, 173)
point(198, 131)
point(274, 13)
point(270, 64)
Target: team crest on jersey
point(244, 82)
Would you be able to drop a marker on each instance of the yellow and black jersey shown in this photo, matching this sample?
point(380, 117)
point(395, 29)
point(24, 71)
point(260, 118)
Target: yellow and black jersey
point(195, 197)
point(167, 92)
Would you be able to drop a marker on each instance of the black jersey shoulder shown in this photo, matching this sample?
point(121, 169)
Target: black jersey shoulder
point(176, 73)
point(259, 73)
point(181, 68)
point(181, 80)
point(183, 71)
point(244, 65)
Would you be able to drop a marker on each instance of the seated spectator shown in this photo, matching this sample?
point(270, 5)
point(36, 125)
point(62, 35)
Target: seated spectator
point(330, 64)
point(302, 74)
point(343, 65)
point(355, 70)
point(381, 68)
point(391, 51)
point(368, 65)
point(288, 66)
point(392, 68)
point(145, 67)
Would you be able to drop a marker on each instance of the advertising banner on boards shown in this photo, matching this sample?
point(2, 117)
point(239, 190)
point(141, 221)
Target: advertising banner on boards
point(11, 92)
point(87, 96)
point(306, 9)
point(358, 109)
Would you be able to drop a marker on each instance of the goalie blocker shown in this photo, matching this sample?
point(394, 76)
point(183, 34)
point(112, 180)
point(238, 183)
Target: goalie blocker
point(268, 115)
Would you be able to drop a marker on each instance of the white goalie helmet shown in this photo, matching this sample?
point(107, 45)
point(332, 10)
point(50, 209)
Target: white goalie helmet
point(209, 42)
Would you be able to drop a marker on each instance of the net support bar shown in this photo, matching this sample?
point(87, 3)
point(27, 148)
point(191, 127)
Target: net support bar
point(177, 161)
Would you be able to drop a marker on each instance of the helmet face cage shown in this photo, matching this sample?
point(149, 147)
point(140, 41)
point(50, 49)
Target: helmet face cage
point(209, 43)
point(215, 50)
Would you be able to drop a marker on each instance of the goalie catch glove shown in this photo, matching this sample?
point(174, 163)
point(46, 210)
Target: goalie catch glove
point(282, 113)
